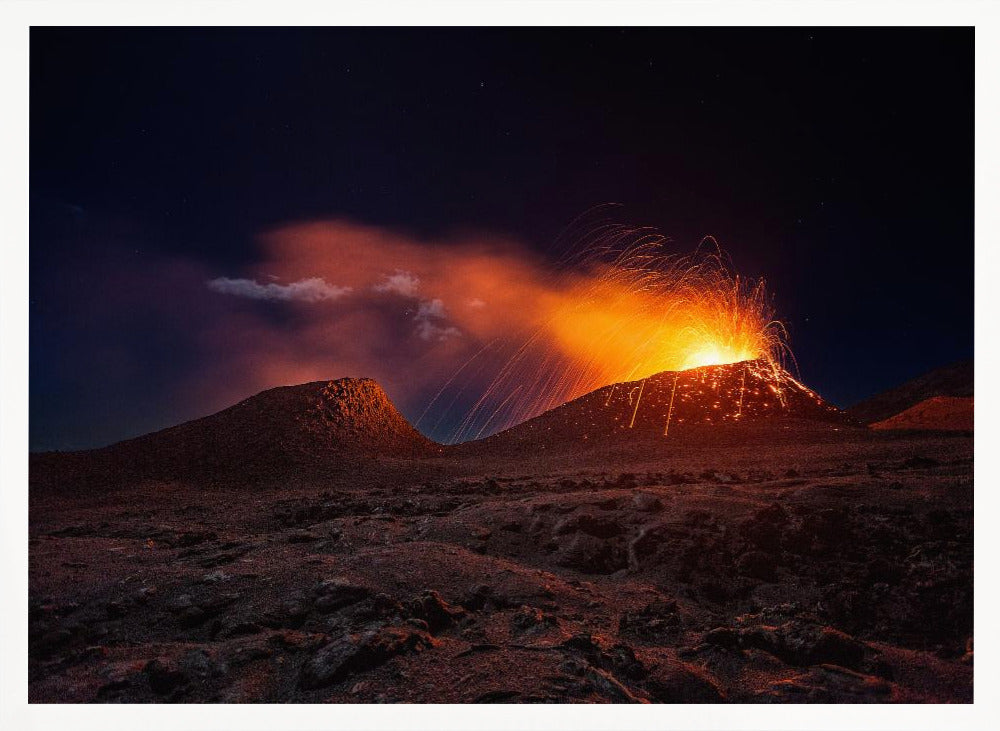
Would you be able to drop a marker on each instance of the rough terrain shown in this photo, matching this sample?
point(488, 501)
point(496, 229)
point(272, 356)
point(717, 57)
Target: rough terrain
point(785, 560)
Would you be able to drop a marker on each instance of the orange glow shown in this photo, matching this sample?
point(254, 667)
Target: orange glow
point(713, 354)
point(622, 329)
point(512, 334)
point(628, 309)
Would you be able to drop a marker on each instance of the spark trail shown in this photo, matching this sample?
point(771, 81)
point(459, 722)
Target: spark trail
point(624, 305)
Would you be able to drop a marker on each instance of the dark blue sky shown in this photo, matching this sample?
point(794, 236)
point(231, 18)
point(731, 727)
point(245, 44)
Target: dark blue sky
point(837, 163)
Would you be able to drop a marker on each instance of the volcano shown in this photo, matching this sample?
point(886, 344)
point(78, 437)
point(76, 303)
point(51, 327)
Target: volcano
point(310, 427)
point(673, 401)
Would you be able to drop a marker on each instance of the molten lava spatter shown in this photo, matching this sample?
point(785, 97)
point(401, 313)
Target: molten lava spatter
point(715, 355)
point(670, 402)
point(731, 393)
point(626, 309)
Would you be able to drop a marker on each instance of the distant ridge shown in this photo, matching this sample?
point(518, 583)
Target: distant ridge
point(953, 380)
point(944, 413)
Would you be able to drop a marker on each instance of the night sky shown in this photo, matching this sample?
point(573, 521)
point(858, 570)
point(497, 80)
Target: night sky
point(836, 163)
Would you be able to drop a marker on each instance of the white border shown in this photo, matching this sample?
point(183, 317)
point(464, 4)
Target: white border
point(15, 18)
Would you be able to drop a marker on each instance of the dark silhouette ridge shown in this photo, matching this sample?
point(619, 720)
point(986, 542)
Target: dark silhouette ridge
point(952, 380)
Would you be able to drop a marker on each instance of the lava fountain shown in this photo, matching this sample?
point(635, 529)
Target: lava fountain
point(621, 307)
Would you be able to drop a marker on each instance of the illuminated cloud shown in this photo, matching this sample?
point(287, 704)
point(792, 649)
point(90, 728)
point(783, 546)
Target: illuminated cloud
point(314, 289)
point(430, 316)
point(402, 283)
point(480, 312)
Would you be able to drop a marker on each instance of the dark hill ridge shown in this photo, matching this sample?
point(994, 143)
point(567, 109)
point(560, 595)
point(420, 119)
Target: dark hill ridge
point(305, 422)
point(746, 392)
point(320, 427)
point(944, 413)
point(314, 425)
point(953, 380)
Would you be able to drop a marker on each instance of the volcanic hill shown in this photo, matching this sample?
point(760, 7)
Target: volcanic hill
point(736, 393)
point(955, 380)
point(942, 413)
point(312, 426)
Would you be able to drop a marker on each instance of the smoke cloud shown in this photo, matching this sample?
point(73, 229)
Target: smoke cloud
point(435, 321)
point(429, 315)
point(401, 283)
point(406, 311)
point(314, 289)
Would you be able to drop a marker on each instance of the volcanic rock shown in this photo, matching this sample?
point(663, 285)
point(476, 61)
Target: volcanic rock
point(333, 594)
point(765, 528)
point(355, 653)
point(802, 643)
point(163, 678)
point(646, 503)
point(678, 682)
point(828, 684)
point(657, 621)
point(757, 565)
point(435, 611)
point(526, 619)
point(591, 555)
point(598, 526)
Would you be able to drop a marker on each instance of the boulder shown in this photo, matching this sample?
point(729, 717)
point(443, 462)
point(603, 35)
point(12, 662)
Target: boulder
point(357, 653)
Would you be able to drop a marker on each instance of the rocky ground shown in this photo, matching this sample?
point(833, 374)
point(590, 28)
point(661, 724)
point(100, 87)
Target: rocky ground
point(768, 564)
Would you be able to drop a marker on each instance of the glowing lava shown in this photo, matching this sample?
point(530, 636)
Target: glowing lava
point(715, 355)
point(623, 308)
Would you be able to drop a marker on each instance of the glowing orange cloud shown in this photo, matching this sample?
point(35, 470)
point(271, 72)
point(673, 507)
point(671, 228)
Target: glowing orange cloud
point(479, 326)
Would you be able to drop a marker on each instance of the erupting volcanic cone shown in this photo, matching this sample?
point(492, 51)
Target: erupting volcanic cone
point(749, 391)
